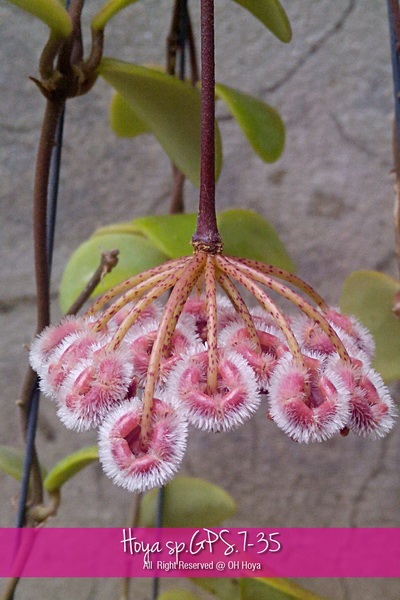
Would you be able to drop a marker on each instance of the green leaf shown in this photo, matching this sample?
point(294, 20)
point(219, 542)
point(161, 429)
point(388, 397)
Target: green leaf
point(170, 108)
point(69, 466)
point(260, 588)
point(50, 12)
point(123, 120)
point(148, 241)
point(225, 589)
point(12, 462)
point(178, 595)
point(107, 12)
point(136, 254)
point(171, 234)
point(189, 502)
point(257, 588)
point(369, 296)
point(261, 124)
point(272, 15)
point(125, 227)
point(245, 233)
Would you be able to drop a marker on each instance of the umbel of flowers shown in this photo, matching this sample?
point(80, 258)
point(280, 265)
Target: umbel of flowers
point(141, 373)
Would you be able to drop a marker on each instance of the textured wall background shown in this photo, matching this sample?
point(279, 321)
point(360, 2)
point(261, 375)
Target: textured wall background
point(330, 197)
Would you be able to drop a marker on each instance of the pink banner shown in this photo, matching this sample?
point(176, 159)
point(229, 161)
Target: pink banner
point(200, 552)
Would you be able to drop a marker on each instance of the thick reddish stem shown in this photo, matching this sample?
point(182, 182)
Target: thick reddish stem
point(46, 143)
point(207, 237)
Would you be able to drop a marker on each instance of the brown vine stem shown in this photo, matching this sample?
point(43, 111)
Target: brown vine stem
point(68, 50)
point(394, 7)
point(61, 84)
point(396, 299)
point(177, 204)
point(55, 102)
point(50, 51)
point(173, 38)
point(177, 201)
point(394, 23)
point(9, 589)
point(50, 120)
point(397, 195)
point(176, 41)
point(74, 43)
point(47, 139)
point(192, 51)
point(89, 67)
point(109, 260)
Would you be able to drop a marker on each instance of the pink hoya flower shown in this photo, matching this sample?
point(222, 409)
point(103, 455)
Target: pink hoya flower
point(51, 337)
point(236, 337)
point(122, 457)
point(93, 387)
point(65, 358)
point(313, 339)
point(196, 307)
point(262, 319)
point(140, 341)
point(354, 329)
point(153, 311)
point(372, 410)
point(309, 404)
point(234, 401)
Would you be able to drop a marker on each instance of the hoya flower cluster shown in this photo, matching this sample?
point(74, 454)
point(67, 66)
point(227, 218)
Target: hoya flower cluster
point(141, 373)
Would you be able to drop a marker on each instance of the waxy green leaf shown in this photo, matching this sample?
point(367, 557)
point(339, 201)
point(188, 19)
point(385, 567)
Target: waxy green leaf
point(369, 296)
point(124, 227)
point(257, 588)
point(171, 234)
point(224, 589)
point(244, 233)
point(260, 588)
point(260, 123)
point(69, 466)
point(248, 235)
point(178, 595)
point(136, 254)
point(123, 120)
point(188, 502)
point(50, 12)
point(272, 15)
point(107, 12)
point(12, 462)
point(148, 241)
point(168, 107)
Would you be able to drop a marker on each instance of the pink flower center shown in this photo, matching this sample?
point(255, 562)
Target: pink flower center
point(133, 441)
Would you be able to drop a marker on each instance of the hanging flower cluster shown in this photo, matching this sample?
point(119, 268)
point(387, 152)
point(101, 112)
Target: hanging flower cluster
point(141, 373)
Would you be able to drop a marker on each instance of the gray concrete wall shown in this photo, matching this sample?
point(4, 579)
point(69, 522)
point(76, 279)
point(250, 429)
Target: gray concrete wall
point(329, 196)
